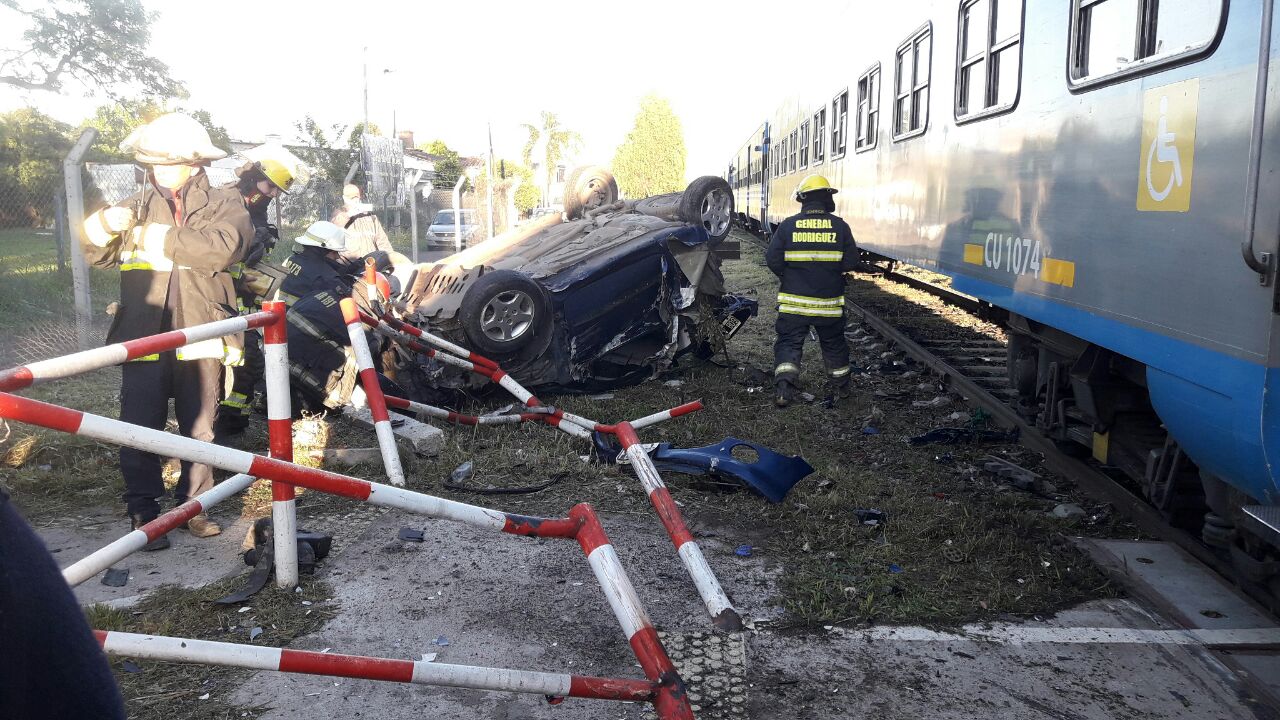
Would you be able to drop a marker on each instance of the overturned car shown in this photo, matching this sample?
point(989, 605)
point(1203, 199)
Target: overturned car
point(606, 295)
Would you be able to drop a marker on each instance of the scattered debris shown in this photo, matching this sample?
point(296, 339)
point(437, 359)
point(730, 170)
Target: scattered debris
point(1017, 476)
point(767, 472)
point(254, 633)
point(870, 516)
point(347, 457)
point(441, 641)
point(1067, 510)
point(743, 551)
point(412, 534)
point(203, 697)
point(895, 568)
point(131, 667)
point(939, 401)
point(312, 547)
point(957, 436)
point(673, 383)
point(491, 490)
point(429, 657)
point(116, 577)
point(601, 396)
point(462, 473)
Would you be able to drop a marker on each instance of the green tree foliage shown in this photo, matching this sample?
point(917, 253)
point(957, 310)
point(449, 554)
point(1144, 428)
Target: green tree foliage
point(448, 167)
point(554, 143)
point(329, 160)
point(651, 160)
point(115, 121)
point(32, 146)
point(100, 44)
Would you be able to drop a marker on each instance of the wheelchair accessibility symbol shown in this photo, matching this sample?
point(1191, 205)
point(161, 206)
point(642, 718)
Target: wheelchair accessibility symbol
point(1168, 147)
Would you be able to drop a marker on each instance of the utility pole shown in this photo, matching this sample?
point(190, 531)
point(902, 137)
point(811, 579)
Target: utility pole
point(364, 55)
point(488, 186)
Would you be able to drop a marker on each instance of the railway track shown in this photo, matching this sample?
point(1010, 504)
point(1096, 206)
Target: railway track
point(975, 368)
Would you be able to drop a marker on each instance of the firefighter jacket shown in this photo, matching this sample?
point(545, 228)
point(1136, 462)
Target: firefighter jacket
point(173, 265)
point(810, 252)
point(311, 272)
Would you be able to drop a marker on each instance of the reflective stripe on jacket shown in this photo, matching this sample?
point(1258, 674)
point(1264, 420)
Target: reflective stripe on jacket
point(810, 253)
point(210, 237)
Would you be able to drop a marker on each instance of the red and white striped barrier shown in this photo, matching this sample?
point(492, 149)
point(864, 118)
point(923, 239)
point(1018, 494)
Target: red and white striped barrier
point(94, 563)
point(76, 363)
point(284, 508)
point(665, 688)
point(554, 685)
point(458, 350)
point(373, 391)
point(723, 614)
point(460, 419)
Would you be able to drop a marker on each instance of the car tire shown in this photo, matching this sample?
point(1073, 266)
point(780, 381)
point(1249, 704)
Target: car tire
point(503, 311)
point(708, 201)
point(588, 188)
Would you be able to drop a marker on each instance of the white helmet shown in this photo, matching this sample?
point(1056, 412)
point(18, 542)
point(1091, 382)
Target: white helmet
point(324, 234)
point(172, 139)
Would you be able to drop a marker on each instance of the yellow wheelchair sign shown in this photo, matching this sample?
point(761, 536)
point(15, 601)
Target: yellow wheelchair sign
point(1168, 147)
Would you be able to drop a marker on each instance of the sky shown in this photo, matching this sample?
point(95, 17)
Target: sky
point(449, 70)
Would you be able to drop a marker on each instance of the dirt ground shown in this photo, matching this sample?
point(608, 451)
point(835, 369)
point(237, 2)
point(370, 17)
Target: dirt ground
point(956, 545)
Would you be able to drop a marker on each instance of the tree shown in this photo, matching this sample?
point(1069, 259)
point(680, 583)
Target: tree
point(555, 142)
point(448, 167)
point(101, 44)
point(651, 160)
point(115, 121)
point(32, 146)
point(330, 161)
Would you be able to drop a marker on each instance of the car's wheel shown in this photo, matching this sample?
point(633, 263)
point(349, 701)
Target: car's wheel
point(708, 202)
point(503, 312)
point(588, 188)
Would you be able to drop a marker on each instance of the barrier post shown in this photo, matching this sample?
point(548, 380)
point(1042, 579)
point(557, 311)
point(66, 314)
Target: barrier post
point(373, 391)
point(284, 509)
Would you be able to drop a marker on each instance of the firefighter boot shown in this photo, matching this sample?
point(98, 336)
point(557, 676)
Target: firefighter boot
point(837, 389)
point(783, 394)
point(202, 527)
point(137, 520)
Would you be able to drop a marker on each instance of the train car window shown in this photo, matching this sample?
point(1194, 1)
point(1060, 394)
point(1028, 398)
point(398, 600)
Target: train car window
point(804, 145)
point(989, 56)
point(793, 146)
point(911, 84)
point(839, 124)
point(1115, 39)
point(819, 135)
point(868, 118)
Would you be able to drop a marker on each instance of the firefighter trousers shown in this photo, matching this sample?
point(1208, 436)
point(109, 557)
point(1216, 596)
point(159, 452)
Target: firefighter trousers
point(789, 347)
point(145, 389)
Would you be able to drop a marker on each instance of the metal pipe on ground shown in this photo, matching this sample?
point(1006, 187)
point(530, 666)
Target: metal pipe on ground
point(373, 392)
point(108, 555)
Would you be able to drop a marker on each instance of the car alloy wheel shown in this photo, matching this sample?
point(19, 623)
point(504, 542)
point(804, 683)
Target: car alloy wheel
point(716, 210)
point(507, 316)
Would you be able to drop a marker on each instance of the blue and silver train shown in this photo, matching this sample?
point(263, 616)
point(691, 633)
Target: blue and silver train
point(1107, 172)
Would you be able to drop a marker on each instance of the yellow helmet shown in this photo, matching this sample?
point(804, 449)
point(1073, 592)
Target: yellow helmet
point(277, 173)
point(813, 183)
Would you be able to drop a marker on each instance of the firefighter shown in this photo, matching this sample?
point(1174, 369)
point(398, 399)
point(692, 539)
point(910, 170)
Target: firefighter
point(316, 263)
point(173, 242)
point(259, 183)
point(810, 252)
point(365, 234)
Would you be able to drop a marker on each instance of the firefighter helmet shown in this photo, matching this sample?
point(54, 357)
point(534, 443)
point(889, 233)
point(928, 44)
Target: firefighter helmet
point(814, 183)
point(324, 234)
point(277, 173)
point(172, 139)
